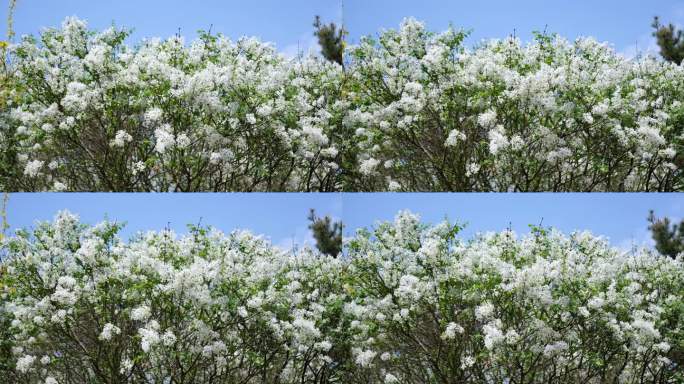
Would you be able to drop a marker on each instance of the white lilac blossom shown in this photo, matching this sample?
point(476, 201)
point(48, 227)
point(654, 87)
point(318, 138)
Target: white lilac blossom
point(209, 300)
point(163, 307)
point(108, 331)
point(279, 117)
point(33, 168)
point(140, 313)
point(500, 305)
point(164, 139)
point(368, 166)
point(453, 138)
point(451, 330)
point(393, 186)
point(122, 137)
point(25, 363)
point(549, 114)
point(486, 118)
point(365, 358)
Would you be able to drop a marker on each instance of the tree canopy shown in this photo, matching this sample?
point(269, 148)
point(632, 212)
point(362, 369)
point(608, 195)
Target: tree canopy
point(670, 39)
point(331, 40)
point(668, 236)
point(328, 233)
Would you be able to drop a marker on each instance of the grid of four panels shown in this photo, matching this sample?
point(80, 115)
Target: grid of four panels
point(341, 192)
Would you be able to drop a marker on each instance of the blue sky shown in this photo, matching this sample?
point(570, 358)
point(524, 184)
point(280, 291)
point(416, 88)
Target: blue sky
point(621, 217)
point(282, 217)
point(624, 23)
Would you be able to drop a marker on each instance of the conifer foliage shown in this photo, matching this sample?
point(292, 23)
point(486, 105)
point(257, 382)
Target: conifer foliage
point(670, 40)
point(328, 234)
point(331, 40)
point(668, 236)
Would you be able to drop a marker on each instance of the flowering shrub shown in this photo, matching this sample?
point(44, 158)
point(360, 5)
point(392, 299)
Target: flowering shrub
point(429, 307)
point(412, 111)
point(215, 116)
point(205, 308)
point(408, 303)
point(547, 116)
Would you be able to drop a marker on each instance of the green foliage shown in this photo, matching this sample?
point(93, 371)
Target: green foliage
point(669, 237)
point(331, 40)
point(409, 303)
point(411, 110)
point(670, 40)
point(328, 234)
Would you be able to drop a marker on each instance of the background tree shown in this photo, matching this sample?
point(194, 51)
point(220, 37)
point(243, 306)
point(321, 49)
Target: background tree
point(670, 40)
point(331, 40)
point(328, 233)
point(669, 239)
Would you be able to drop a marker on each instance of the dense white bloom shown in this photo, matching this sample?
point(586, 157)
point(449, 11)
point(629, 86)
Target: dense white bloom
point(646, 328)
point(59, 186)
point(403, 291)
point(149, 338)
point(552, 349)
point(96, 56)
point(138, 167)
point(497, 140)
point(368, 166)
point(59, 316)
point(108, 331)
point(33, 168)
point(182, 141)
point(164, 138)
point(66, 281)
point(472, 169)
point(437, 114)
point(315, 135)
point(25, 363)
point(242, 311)
point(484, 311)
point(467, 362)
point(64, 296)
point(529, 272)
point(393, 186)
point(329, 152)
point(487, 119)
point(451, 330)
point(168, 338)
point(595, 303)
point(492, 335)
point(324, 345)
point(153, 116)
point(140, 313)
point(453, 138)
point(122, 137)
point(365, 358)
point(264, 110)
point(584, 311)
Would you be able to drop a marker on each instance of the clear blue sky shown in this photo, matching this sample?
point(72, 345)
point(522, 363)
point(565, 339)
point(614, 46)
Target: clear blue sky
point(619, 216)
point(625, 23)
point(282, 217)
